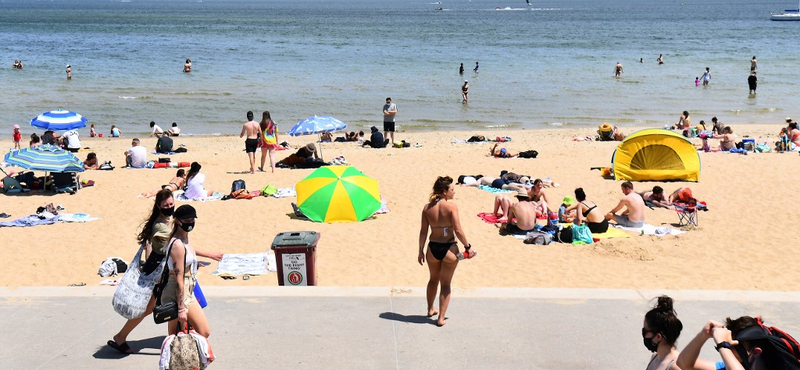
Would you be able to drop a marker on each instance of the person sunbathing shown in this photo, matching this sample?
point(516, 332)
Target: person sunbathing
point(173, 186)
point(655, 198)
point(497, 183)
point(91, 162)
point(502, 152)
point(681, 195)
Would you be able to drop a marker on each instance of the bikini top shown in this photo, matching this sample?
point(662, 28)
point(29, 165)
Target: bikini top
point(586, 212)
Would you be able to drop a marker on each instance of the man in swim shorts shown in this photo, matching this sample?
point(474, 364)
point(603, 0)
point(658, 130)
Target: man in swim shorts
point(525, 213)
point(389, 112)
point(633, 216)
point(655, 197)
point(252, 129)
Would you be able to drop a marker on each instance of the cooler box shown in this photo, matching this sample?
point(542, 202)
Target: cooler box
point(295, 254)
point(749, 144)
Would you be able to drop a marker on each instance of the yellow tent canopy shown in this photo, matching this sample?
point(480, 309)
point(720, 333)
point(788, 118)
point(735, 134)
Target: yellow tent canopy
point(656, 155)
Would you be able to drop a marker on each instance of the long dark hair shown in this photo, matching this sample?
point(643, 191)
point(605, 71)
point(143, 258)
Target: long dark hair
point(147, 228)
point(193, 170)
point(266, 120)
point(664, 320)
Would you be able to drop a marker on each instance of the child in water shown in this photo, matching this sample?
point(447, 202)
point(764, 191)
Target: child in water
point(697, 81)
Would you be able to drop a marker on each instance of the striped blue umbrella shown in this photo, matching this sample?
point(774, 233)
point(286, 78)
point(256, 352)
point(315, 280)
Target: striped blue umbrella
point(45, 158)
point(316, 125)
point(59, 120)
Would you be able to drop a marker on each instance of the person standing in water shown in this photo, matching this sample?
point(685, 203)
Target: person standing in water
point(476, 67)
point(753, 64)
point(618, 69)
point(187, 67)
point(706, 77)
point(752, 81)
point(461, 69)
point(660, 59)
point(465, 92)
point(69, 72)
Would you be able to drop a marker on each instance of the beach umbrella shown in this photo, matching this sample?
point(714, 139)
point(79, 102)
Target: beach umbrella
point(59, 120)
point(316, 125)
point(45, 158)
point(338, 194)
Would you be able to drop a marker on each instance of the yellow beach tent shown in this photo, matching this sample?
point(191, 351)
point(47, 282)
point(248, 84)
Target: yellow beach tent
point(656, 155)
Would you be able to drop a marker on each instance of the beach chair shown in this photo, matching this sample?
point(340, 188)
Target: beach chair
point(687, 212)
point(12, 186)
point(64, 182)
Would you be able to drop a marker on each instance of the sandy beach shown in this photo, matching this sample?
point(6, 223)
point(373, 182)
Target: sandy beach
point(742, 242)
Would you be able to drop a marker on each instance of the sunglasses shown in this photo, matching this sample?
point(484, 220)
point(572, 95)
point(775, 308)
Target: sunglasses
point(645, 331)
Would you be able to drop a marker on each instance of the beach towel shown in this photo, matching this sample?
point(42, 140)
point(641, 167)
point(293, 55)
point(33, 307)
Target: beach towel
point(612, 233)
point(215, 196)
point(491, 218)
point(76, 217)
point(648, 229)
point(285, 193)
point(494, 190)
point(32, 220)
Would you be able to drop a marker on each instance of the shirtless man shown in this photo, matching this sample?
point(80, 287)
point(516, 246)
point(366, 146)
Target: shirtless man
point(655, 197)
point(69, 72)
point(252, 129)
point(525, 213)
point(618, 69)
point(633, 216)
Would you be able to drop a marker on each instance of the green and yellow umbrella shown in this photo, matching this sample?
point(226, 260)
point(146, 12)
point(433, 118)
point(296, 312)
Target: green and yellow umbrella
point(338, 194)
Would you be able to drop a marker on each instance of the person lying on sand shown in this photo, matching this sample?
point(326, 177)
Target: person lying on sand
point(497, 183)
point(655, 198)
point(173, 185)
point(502, 152)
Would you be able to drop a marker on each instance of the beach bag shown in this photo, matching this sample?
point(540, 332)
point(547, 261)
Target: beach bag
point(581, 233)
point(135, 288)
point(106, 166)
point(476, 138)
point(238, 185)
point(183, 353)
point(564, 235)
point(528, 154)
point(268, 190)
point(785, 351)
point(112, 267)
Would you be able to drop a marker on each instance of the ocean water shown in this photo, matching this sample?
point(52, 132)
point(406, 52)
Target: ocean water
point(550, 64)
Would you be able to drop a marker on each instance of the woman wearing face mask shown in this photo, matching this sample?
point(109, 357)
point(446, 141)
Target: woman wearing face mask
point(660, 330)
point(154, 235)
point(183, 276)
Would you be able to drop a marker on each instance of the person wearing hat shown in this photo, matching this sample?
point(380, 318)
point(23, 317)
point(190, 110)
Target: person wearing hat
point(308, 153)
point(503, 202)
point(465, 89)
point(182, 262)
point(742, 343)
point(17, 137)
point(563, 215)
point(195, 184)
point(521, 215)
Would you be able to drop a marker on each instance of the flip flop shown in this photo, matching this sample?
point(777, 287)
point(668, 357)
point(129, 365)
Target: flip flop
point(121, 348)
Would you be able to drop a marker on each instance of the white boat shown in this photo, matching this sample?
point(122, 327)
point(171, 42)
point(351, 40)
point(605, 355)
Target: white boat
point(787, 15)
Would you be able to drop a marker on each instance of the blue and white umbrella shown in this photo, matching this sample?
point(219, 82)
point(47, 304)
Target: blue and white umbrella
point(48, 158)
point(316, 125)
point(59, 120)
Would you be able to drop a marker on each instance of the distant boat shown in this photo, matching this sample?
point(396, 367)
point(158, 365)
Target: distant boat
point(787, 15)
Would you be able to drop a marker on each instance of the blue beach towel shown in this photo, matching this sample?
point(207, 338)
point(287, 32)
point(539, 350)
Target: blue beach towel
point(494, 190)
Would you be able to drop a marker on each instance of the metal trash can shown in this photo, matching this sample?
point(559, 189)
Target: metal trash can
point(295, 254)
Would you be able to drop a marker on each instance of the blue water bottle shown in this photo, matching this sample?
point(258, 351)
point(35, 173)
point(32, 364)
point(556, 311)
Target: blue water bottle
point(198, 293)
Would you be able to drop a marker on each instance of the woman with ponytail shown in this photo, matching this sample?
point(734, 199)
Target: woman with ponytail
point(660, 331)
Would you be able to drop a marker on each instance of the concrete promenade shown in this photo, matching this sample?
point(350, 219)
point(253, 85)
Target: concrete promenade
point(374, 328)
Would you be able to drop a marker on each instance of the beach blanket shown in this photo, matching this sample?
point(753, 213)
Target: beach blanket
point(494, 190)
point(383, 209)
point(491, 218)
point(32, 220)
point(215, 196)
point(285, 193)
point(612, 233)
point(76, 217)
point(233, 264)
point(648, 229)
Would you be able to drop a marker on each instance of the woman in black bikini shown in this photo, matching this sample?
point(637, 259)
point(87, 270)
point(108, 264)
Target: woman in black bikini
point(441, 216)
point(588, 211)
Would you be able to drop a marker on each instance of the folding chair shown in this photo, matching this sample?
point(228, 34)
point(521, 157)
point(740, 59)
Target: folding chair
point(64, 182)
point(687, 213)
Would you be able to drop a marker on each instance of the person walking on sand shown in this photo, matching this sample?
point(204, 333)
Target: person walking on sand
point(706, 77)
point(618, 69)
point(252, 130)
point(753, 64)
point(17, 136)
point(660, 59)
point(441, 216)
point(389, 112)
point(752, 82)
point(461, 69)
point(476, 67)
point(465, 92)
point(69, 72)
point(268, 140)
point(633, 216)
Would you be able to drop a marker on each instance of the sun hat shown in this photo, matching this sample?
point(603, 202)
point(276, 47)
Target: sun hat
point(16, 126)
point(523, 193)
point(568, 200)
point(788, 119)
point(185, 211)
point(605, 127)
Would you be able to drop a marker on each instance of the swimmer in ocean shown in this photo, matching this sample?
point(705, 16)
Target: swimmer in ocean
point(618, 69)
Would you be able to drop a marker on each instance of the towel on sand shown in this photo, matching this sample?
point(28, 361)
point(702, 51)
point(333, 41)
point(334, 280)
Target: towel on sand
point(215, 196)
point(648, 229)
point(494, 190)
point(491, 218)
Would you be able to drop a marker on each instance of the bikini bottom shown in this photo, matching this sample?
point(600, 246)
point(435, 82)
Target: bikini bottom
point(439, 250)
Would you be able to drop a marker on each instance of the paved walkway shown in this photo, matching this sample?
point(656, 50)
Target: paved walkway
point(374, 328)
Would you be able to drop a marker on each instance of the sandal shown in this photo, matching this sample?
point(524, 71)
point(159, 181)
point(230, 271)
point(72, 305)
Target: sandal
point(121, 348)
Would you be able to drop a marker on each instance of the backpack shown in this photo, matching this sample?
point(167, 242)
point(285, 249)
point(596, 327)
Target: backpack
point(528, 154)
point(786, 349)
point(238, 185)
point(564, 235)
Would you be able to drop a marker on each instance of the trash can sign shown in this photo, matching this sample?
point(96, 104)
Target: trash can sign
point(294, 268)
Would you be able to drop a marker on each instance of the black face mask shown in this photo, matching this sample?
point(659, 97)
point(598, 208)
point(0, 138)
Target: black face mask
point(648, 343)
point(168, 211)
point(186, 226)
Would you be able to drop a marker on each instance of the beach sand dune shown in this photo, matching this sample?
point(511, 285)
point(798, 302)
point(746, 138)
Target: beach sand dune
point(745, 241)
